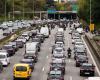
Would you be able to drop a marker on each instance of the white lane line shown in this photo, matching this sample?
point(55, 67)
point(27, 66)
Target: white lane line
point(43, 69)
point(98, 71)
point(69, 61)
point(71, 78)
point(47, 57)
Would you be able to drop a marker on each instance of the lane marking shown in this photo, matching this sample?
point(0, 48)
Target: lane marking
point(43, 69)
point(69, 61)
point(92, 57)
point(47, 57)
point(71, 78)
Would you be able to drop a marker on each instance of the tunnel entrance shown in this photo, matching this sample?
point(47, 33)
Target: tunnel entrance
point(61, 15)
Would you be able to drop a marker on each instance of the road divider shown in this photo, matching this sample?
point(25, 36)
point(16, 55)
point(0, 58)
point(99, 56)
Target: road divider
point(93, 52)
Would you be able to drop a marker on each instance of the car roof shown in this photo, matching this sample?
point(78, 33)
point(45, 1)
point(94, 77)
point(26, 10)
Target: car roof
point(21, 64)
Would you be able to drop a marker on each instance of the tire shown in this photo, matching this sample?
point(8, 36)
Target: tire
point(80, 74)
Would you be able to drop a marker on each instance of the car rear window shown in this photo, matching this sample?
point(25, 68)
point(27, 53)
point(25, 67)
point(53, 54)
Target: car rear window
point(21, 68)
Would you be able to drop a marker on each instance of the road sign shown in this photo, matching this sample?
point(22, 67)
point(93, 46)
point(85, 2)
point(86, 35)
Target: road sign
point(74, 7)
point(91, 27)
point(51, 11)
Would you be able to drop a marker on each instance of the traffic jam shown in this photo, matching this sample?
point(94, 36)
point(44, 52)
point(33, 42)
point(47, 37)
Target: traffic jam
point(32, 41)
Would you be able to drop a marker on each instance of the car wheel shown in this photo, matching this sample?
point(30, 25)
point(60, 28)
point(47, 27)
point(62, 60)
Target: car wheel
point(80, 74)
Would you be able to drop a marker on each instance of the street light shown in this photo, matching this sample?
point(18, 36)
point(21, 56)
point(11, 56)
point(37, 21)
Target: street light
point(90, 11)
point(23, 9)
point(5, 11)
point(13, 10)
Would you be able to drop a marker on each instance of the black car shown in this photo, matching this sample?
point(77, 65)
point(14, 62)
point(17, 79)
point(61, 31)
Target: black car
point(30, 62)
point(10, 49)
point(80, 60)
point(87, 69)
point(55, 75)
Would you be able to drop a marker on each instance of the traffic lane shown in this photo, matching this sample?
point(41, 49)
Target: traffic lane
point(44, 58)
point(72, 72)
point(7, 73)
point(91, 59)
point(70, 68)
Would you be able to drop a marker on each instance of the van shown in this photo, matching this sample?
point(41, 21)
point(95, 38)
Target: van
point(31, 48)
point(4, 58)
point(44, 31)
point(22, 71)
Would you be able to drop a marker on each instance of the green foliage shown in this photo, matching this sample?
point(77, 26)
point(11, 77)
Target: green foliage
point(84, 10)
point(20, 5)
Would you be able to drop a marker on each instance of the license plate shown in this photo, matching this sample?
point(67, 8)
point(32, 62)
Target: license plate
point(87, 73)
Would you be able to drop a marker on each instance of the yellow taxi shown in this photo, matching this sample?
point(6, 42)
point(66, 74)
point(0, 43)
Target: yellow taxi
point(22, 71)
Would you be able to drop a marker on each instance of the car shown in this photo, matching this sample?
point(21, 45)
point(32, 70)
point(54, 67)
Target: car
point(80, 49)
point(59, 56)
point(58, 64)
point(10, 49)
point(55, 74)
point(60, 30)
point(31, 56)
point(59, 50)
point(21, 71)
point(23, 39)
point(28, 61)
point(19, 43)
point(45, 31)
point(80, 60)
point(87, 69)
point(14, 44)
point(26, 35)
point(4, 58)
point(41, 36)
point(73, 39)
point(1, 67)
point(6, 33)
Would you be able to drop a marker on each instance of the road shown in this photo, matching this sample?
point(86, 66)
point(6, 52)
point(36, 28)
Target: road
point(42, 66)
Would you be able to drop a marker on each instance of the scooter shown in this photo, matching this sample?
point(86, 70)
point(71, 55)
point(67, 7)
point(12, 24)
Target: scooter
point(69, 55)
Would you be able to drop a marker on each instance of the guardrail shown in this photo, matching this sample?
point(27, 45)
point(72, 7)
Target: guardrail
point(18, 33)
point(94, 48)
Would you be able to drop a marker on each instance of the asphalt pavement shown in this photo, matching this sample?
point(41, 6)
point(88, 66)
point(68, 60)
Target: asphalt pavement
point(42, 66)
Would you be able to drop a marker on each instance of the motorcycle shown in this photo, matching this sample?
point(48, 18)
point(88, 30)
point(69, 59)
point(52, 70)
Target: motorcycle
point(69, 55)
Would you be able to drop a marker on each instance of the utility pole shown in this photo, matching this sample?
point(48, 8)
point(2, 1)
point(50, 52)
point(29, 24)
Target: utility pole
point(33, 9)
point(5, 11)
point(23, 10)
point(90, 11)
point(13, 10)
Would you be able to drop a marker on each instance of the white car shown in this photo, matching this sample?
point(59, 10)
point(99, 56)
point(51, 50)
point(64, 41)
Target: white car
point(21, 38)
point(60, 30)
point(4, 58)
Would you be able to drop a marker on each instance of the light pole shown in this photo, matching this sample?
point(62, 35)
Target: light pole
point(13, 10)
point(5, 11)
point(90, 11)
point(33, 9)
point(23, 10)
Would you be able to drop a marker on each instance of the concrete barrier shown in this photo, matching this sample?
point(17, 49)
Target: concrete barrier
point(94, 49)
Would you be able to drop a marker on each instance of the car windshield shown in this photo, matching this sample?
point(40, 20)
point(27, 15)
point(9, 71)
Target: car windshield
point(56, 64)
point(7, 47)
point(21, 68)
point(87, 66)
point(58, 50)
point(2, 56)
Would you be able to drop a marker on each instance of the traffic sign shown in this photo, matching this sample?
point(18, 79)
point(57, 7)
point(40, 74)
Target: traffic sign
point(91, 27)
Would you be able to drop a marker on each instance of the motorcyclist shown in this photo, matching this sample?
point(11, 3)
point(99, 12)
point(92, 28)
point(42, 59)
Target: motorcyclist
point(69, 51)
